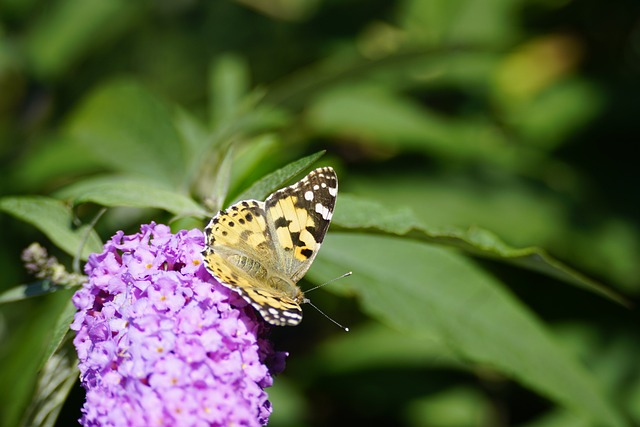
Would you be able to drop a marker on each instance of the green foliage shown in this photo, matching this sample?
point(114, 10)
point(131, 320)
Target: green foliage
point(128, 130)
point(20, 292)
point(130, 192)
point(494, 321)
point(366, 216)
point(56, 221)
point(474, 187)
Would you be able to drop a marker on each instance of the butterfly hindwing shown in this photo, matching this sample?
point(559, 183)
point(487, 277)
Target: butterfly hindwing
point(261, 249)
point(277, 309)
point(273, 307)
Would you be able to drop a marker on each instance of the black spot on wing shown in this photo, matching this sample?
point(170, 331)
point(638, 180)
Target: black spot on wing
point(282, 222)
point(300, 202)
point(314, 232)
point(306, 253)
point(245, 234)
point(295, 239)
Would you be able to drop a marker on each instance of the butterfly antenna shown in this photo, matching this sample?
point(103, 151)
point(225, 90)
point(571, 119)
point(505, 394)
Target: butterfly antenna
point(330, 281)
point(307, 301)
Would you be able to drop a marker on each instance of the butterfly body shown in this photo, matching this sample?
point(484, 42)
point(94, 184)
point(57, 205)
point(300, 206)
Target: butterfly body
point(262, 249)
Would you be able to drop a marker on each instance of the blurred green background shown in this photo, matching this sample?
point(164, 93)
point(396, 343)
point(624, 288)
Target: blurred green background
point(443, 118)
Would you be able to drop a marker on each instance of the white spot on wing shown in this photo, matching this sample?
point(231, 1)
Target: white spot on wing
point(291, 314)
point(308, 195)
point(323, 210)
point(333, 191)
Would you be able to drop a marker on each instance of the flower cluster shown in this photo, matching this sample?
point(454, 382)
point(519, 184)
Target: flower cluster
point(160, 342)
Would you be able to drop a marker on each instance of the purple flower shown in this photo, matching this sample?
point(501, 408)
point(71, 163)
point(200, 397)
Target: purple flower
point(160, 342)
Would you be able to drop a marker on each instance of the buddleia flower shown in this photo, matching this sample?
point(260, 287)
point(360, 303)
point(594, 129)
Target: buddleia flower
point(160, 342)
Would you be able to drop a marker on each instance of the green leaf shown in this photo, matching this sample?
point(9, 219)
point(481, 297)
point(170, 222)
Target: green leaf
point(129, 130)
point(130, 192)
point(57, 372)
point(273, 181)
point(55, 380)
point(387, 119)
point(222, 180)
point(550, 118)
point(59, 332)
point(361, 215)
point(209, 152)
point(55, 220)
point(52, 157)
point(23, 345)
point(434, 293)
point(195, 136)
point(228, 85)
point(31, 290)
point(385, 348)
point(509, 207)
point(251, 157)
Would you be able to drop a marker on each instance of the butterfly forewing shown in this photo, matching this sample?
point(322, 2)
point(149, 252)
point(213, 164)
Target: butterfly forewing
point(299, 216)
point(241, 230)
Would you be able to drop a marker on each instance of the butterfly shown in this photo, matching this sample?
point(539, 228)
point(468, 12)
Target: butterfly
point(262, 249)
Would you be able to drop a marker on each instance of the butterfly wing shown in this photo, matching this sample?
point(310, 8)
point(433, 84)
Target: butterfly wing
point(298, 217)
point(239, 254)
